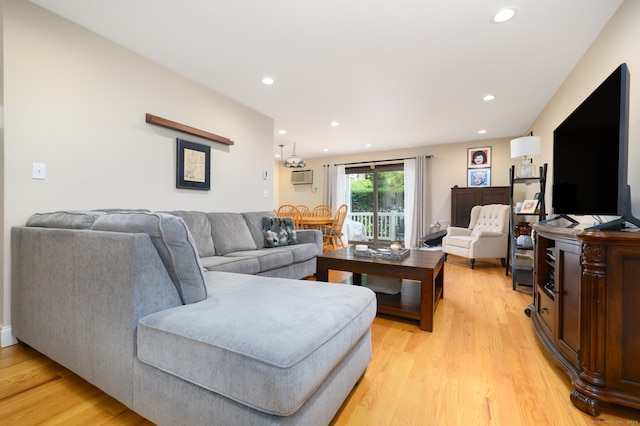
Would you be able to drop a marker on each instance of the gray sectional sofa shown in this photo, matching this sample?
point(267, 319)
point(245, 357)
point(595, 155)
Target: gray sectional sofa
point(142, 305)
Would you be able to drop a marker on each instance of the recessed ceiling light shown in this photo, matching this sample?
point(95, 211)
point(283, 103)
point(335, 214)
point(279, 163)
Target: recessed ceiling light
point(488, 98)
point(335, 124)
point(282, 132)
point(368, 145)
point(268, 81)
point(482, 132)
point(326, 150)
point(504, 15)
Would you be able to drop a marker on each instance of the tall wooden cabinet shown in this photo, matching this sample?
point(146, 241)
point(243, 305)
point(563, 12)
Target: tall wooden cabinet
point(463, 200)
point(586, 311)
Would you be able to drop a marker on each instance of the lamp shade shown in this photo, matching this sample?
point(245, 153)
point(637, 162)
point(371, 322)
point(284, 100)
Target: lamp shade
point(527, 146)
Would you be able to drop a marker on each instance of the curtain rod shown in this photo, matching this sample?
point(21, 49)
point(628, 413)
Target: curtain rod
point(377, 162)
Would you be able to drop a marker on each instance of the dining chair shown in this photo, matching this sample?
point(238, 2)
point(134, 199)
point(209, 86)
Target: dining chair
point(322, 210)
point(289, 210)
point(303, 209)
point(332, 235)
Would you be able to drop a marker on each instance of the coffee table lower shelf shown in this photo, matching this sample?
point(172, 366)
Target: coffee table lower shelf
point(405, 304)
point(422, 287)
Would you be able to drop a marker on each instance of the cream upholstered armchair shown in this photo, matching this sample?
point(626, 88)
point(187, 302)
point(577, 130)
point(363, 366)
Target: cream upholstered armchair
point(485, 238)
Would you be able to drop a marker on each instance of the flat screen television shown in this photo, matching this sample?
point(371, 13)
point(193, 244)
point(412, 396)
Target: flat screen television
point(590, 150)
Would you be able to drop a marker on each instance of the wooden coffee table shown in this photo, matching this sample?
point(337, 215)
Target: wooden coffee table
point(415, 302)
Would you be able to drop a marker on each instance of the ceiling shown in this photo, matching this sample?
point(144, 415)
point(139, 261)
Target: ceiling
point(395, 74)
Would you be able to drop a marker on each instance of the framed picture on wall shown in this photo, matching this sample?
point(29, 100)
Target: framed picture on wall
point(193, 167)
point(478, 177)
point(479, 158)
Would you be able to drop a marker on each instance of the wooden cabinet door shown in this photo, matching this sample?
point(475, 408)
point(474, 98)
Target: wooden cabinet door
point(495, 195)
point(464, 199)
point(622, 369)
point(568, 279)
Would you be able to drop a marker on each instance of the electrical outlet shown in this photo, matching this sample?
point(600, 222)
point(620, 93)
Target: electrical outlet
point(39, 171)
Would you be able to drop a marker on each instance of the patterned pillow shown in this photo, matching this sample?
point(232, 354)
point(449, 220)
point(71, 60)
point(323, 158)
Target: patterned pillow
point(279, 232)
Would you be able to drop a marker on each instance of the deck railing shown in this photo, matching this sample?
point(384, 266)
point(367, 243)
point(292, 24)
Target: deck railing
point(390, 225)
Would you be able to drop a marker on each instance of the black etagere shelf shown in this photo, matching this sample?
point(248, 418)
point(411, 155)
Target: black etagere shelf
point(520, 258)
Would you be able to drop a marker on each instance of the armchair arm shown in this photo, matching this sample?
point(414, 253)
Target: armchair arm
point(488, 244)
point(488, 234)
point(455, 230)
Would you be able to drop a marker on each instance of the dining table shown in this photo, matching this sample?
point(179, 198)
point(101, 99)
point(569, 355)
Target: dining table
point(310, 221)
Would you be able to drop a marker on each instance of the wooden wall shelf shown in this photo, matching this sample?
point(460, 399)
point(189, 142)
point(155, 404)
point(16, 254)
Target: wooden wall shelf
point(163, 122)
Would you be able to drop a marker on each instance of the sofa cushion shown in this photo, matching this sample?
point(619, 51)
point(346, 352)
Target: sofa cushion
point(230, 233)
point(267, 258)
point(295, 254)
point(174, 243)
point(267, 343)
point(279, 232)
point(254, 222)
point(64, 219)
point(240, 264)
point(200, 229)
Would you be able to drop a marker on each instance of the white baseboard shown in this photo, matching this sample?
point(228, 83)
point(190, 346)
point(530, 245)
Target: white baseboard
point(6, 338)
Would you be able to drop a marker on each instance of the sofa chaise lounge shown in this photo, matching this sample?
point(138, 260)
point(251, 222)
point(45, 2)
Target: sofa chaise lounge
point(124, 300)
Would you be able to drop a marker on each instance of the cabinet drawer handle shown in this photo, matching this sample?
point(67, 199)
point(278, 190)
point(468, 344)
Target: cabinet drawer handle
point(543, 310)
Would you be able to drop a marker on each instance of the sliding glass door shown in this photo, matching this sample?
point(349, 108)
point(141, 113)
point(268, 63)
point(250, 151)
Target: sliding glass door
point(376, 203)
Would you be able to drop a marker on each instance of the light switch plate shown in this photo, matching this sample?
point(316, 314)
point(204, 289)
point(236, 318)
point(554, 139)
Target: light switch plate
point(39, 171)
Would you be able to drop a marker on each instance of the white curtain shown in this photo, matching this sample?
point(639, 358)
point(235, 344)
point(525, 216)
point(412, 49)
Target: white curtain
point(416, 209)
point(409, 199)
point(329, 184)
point(334, 184)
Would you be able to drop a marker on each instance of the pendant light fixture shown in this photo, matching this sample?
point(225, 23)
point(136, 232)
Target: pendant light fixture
point(293, 162)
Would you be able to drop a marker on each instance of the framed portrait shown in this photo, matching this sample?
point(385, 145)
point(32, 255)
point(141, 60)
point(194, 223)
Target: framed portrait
point(193, 167)
point(478, 178)
point(529, 207)
point(479, 158)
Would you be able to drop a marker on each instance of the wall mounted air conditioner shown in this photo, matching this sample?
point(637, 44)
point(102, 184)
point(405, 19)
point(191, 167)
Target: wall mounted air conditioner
point(301, 177)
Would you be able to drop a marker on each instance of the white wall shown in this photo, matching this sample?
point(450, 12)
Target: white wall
point(617, 43)
point(77, 102)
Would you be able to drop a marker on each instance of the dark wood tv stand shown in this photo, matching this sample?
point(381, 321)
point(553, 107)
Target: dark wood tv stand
point(589, 317)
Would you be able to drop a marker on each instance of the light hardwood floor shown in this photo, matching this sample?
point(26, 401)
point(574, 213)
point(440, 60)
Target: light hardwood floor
point(481, 365)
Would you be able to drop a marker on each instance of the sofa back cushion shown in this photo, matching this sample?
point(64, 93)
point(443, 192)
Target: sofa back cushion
point(230, 233)
point(254, 222)
point(200, 229)
point(174, 243)
point(65, 220)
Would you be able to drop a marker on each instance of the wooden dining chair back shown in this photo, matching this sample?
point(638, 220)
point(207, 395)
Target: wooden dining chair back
point(322, 210)
point(304, 210)
point(332, 235)
point(289, 210)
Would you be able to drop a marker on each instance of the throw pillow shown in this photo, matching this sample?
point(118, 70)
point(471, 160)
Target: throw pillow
point(279, 232)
